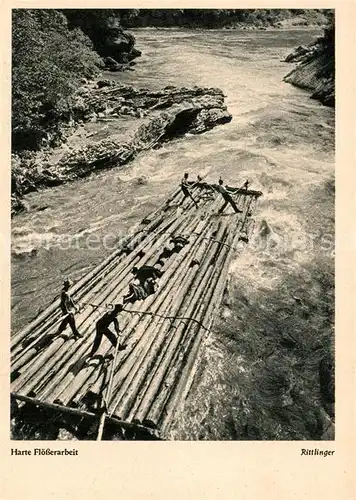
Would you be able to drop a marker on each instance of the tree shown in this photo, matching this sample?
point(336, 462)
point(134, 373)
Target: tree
point(48, 60)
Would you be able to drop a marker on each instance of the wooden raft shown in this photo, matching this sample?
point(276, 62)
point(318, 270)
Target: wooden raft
point(147, 382)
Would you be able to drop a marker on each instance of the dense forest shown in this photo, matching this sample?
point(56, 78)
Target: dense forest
point(48, 62)
point(219, 18)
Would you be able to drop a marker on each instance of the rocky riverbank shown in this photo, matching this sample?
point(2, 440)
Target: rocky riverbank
point(315, 70)
point(111, 124)
point(114, 45)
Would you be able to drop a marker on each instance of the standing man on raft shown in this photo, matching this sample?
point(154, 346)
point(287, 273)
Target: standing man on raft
point(185, 189)
point(227, 197)
point(68, 307)
point(102, 328)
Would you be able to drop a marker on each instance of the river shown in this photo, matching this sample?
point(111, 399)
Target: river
point(279, 139)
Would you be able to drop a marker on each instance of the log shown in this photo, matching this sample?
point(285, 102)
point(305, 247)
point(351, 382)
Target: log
point(101, 427)
point(21, 360)
point(86, 414)
point(166, 305)
point(184, 305)
point(59, 376)
point(198, 287)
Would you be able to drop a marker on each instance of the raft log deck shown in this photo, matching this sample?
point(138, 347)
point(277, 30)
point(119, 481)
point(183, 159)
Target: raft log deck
point(147, 382)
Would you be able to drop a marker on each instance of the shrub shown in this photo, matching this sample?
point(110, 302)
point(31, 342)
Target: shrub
point(48, 61)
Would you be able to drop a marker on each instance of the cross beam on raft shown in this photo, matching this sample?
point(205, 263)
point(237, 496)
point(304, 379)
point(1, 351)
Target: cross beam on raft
point(150, 378)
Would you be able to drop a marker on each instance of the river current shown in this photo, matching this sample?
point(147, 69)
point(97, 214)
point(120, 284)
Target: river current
point(279, 139)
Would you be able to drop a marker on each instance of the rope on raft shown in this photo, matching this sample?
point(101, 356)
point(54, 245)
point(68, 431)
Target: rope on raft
point(111, 306)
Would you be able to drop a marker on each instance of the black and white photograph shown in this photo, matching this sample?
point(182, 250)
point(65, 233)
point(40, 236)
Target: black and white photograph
point(172, 225)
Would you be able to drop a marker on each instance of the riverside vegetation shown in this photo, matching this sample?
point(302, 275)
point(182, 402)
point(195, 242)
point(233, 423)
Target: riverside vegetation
point(223, 18)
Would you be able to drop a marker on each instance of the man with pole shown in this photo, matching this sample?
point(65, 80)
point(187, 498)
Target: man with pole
point(68, 308)
point(185, 189)
point(227, 197)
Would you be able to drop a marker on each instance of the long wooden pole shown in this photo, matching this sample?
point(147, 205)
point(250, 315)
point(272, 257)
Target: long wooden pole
point(101, 426)
point(82, 413)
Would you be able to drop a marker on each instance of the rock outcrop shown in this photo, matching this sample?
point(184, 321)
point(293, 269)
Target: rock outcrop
point(315, 70)
point(300, 52)
point(120, 46)
point(155, 117)
point(111, 42)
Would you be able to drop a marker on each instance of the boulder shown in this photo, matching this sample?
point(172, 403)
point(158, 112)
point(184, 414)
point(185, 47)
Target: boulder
point(120, 46)
point(315, 75)
point(209, 118)
point(195, 116)
point(297, 54)
point(103, 83)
